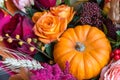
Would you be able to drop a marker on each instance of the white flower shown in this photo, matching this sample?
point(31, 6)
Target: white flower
point(22, 4)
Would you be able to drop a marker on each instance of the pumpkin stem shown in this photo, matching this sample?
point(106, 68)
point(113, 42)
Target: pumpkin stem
point(79, 46)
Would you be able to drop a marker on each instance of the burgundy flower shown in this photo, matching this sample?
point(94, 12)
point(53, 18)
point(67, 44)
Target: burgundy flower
point(45, 3)
point(1, 14)
point(22, 26)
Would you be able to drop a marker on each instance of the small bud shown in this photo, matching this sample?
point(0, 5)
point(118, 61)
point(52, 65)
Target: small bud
point(20, 43)
point(10, 40)
point(43, 48)
point(17, 36)
point(32, 49)
point(1, 38)
point(51, 62)
point(35, 40)
point(7, 35)
point(29, 40)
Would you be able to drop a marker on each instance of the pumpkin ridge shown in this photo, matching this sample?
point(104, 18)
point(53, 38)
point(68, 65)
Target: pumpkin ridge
point(73, 57)
point(96, 40)
point(67, 39)
point(94, 59)
point(84, 66)
point(86, 69)
point(72, 31)
point(88, 30)
point(64, 54)
point(73, 64)
point(77, 35)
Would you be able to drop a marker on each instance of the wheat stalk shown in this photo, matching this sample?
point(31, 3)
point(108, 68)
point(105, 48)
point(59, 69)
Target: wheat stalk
point(13, 64)
point(20, 60)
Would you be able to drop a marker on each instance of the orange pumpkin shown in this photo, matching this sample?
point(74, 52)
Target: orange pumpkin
point(86, 49)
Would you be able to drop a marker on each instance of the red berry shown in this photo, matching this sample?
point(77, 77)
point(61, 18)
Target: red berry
point(116, 57)
point(117, 51)
point(112, 54)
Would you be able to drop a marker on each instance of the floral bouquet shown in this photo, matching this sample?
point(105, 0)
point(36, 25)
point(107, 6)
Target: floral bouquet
point(60, 39)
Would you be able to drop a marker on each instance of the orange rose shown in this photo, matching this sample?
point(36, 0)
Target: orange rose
point(37, 15)
point(48, 27)
point(63, 11)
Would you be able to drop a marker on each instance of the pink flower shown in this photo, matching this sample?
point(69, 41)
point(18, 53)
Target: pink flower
point(22, 4)
point(21, 26)
point(111, 72)
point(45, 3)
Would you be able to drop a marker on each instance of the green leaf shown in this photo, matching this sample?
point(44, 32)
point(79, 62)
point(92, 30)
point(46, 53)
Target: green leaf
point(49, 49)
point(40, 57)
point(99, 1)
point(118, 33)
point(105, 29)
point(67, 2)
point(58, 2)
point(118, 36)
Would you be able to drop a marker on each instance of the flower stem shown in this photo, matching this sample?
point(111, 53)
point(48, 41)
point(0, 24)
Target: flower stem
point(7, 11)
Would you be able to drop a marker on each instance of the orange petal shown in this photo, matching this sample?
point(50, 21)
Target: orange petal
point(10, 6)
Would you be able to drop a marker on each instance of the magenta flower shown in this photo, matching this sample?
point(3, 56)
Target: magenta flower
point(3, 20)
point(52, 72)
point(18, 25)
point(45, 3)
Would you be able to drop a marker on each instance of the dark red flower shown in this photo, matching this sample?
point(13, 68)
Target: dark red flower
point(45, 3)
point(22, 26)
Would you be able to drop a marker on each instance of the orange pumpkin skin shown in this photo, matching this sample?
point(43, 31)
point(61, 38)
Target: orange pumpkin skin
point(93, 56)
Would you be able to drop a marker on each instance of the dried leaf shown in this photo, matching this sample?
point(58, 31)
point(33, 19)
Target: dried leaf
point(22, 75)
point(114, 13)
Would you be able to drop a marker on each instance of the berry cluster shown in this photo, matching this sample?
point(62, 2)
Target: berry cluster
point(91, 14)
point(115, 54)
point(111, 28)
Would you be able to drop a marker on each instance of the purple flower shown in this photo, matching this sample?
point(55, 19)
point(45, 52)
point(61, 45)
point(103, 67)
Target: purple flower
point(45, 3)
point(18, 25)
point(52, 72)
point(3, 20)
